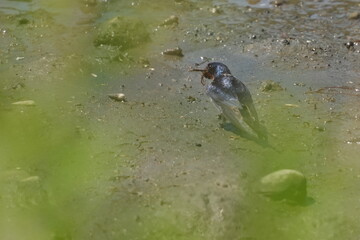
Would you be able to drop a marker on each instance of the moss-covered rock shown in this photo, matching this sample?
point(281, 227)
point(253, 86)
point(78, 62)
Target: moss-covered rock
point(122, 32)
point(286, 184)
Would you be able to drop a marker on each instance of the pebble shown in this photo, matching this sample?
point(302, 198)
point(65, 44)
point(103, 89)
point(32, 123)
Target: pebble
point(285, 184)
point(215, 10)
point(173, 52)
point(354, 15)
point(120, 97)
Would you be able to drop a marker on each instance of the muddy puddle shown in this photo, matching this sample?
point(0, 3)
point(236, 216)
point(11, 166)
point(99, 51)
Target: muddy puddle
point(159, 163)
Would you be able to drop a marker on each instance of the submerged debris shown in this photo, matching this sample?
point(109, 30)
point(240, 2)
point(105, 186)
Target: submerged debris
point(25, 103)
point(122, 32)
point(173, 52)
point(23, 21)
point(119, 97)
point(172, 20)
point(286, 184)
point(291, 105)
point(270, 86)
point(191, 99)
point(349, 44)
point(353, 141)
point(144, 62)
point(346, 90)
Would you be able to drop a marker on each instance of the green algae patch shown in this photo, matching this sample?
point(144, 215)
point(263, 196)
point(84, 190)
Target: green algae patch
point(122, 32)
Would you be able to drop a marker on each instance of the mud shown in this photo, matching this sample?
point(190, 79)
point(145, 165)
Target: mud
point(160, 165)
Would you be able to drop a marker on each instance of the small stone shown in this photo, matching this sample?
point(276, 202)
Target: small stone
point(215, 10)
point(173, 52)
point(25, 103)
point(119, 97)
point(354, 15)
point(278, 3)
point(270, 86)
point(172, 20)
point(284, 184)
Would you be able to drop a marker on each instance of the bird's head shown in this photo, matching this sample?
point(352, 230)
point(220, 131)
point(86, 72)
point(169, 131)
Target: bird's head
point(212, 70)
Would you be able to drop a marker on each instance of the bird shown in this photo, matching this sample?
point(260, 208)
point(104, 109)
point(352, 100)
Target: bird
point(232, 98)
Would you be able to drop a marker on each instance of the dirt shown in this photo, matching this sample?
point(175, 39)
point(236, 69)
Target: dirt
point(160, 165)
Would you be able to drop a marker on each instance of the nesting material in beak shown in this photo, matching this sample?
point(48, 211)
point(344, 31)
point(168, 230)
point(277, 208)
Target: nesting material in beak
point(204, 73)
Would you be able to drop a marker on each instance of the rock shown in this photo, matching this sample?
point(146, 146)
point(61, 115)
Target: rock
point(172, 20)
point(270, 86)
point(25, 103)
point(122, 32)
point(120, 97)
point(215, 10)
point(354, 15)
point(173, 52)
point(278, 3)
point(284, 184)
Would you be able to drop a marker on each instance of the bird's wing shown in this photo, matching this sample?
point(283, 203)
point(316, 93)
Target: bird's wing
point(249, 109)
point(250, 116)
point(228, 104)
point(245, 100)
point(223, 99)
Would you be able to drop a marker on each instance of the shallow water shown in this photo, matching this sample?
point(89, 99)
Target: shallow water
point(78, 165)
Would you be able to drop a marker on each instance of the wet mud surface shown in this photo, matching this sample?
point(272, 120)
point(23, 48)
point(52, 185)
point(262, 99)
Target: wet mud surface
point(161, 165)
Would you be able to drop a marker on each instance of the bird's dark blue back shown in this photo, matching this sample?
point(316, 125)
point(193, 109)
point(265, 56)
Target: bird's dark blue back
point(229, 86)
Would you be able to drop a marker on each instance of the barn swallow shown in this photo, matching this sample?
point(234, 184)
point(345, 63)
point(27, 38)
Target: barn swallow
point(232, 97)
